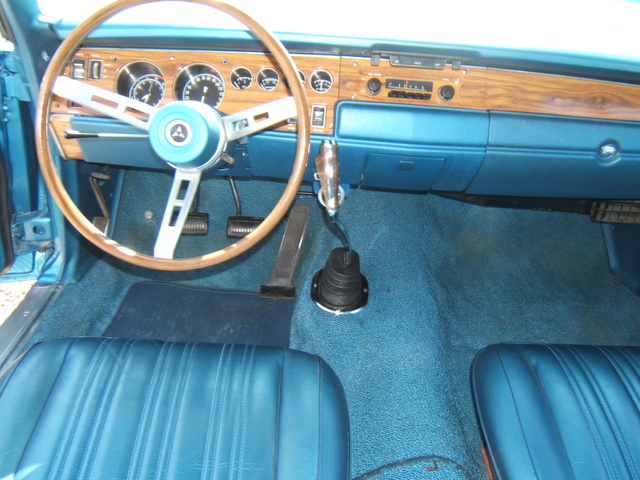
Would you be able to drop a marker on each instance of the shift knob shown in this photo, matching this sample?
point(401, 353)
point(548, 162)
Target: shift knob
point(329, 175)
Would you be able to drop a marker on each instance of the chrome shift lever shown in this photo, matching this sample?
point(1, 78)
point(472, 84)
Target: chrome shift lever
point(339, 287)
point(329, 175)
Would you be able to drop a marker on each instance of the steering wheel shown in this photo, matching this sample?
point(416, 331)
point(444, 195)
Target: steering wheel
point(189, 136)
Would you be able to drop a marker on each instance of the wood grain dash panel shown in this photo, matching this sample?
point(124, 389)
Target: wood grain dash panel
point(557, 95)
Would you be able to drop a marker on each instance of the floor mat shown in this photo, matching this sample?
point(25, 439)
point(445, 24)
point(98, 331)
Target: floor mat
point(185, 313)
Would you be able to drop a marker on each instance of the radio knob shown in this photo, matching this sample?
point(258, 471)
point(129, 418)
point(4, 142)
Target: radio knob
point(446, 92)
point(374, 85)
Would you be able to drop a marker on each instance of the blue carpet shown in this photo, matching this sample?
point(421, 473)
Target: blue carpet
point(445, 279)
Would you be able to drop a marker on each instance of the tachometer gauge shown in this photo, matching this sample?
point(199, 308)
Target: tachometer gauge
point(241, 78)
point(200, 82)
point(141, 81)
point(268, 79)
point(321, 81)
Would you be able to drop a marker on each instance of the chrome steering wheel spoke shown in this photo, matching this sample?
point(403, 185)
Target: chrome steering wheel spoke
point(183, 191)
point(258, 118)
point(105, 102)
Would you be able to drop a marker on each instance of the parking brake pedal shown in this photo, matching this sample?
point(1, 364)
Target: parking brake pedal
point(280, 285)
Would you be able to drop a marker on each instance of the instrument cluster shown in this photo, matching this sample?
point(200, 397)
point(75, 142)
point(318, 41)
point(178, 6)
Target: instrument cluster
point(144, 81)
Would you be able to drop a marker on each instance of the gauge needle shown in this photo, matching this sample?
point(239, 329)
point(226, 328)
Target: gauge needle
point(204, 93)
point(145, 97)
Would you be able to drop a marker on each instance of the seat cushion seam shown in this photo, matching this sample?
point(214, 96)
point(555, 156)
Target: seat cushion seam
point(169, 415)
point(552, 417)
point(276, 451)
point(236, 420)
point(35, 425)
point(584, 404)
point(76, 408)
point(214, 399)
point(149, 408)
point(515, 406)
point(180, 389)
point(246, 407)
point(109, 387)
point(320, 406)
point(632, 392)
point(225, 384)
point(611, 420)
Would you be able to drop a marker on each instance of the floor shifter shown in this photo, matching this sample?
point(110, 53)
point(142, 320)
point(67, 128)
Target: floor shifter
point(339, 287)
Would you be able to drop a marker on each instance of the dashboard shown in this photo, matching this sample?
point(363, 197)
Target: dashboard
point(233, 81)
point(403, 121)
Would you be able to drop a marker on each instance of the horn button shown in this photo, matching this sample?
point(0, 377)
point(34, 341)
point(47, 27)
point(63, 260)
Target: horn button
point(188, 135)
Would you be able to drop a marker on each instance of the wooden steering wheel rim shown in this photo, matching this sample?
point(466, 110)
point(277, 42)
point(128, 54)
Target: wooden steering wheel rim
point(77, 218)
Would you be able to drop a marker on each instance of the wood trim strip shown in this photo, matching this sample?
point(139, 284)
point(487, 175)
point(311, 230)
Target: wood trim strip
point(476, 88)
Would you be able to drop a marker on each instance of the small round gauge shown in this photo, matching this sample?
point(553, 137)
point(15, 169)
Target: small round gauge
point(301, 75)
point(268, 79)
point(199, 82)
point(241, 78)
point(321, 81)
point(141, 81)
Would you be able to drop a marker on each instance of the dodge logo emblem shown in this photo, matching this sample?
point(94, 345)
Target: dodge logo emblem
point(178, 133)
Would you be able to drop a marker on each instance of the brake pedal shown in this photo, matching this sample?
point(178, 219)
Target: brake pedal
point(239, 226)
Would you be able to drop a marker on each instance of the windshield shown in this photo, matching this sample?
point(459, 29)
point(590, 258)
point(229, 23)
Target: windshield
point(597, 28)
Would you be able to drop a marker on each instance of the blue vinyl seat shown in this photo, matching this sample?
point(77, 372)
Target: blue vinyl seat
point(112, 408)
point(559, 411)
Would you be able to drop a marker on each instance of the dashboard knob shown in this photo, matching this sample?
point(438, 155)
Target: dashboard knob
point(374, 85)
point(446, 92)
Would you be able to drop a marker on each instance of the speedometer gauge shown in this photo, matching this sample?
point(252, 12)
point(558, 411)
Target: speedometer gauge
point(141, 81)
point(199, 82)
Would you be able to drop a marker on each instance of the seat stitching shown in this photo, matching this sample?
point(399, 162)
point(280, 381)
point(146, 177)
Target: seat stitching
point(222, 399)
point(611, 418)
point(245, 408)
point(149, 409)
point(180, 393)
point(147, 436)
point(515, 406)
point(633, 363)
point(584, 404)
point(320, 405)
point(211, 411)
point(35, 425)
point(536, 377)
point(76, 409)
point(108, 390)
point(632, 359)
point(176, 381)
point(624, 377)
point(278, 412)
point(236, 421)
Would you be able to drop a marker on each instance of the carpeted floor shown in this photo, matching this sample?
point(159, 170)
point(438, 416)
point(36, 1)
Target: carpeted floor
point(445, 279)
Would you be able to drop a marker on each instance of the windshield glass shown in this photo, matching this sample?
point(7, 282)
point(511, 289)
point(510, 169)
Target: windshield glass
point(600, 28)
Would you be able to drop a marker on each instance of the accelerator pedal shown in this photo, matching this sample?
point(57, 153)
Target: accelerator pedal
point(612, 211)
point(280, 285)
